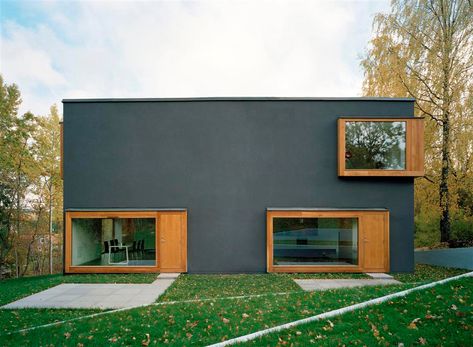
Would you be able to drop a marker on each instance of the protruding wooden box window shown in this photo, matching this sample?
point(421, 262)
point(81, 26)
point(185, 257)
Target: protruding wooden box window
point(321, 240)
point(381, 147)
point(126, 241)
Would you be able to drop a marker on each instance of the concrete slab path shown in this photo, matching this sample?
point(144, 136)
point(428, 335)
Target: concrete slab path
point(379, 275)
point(97, 295)
point(317, 284)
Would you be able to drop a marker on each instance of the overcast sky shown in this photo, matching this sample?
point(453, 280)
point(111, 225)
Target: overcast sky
point(90, 49)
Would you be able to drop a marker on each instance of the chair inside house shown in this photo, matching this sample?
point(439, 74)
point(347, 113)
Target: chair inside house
point(114, 242)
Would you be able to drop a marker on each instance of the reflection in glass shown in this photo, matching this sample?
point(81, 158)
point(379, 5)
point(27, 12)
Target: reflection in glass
point(375, 145)
point(315, 241)
point(113, 242)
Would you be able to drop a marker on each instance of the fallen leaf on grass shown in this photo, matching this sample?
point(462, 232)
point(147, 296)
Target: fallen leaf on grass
point(422, 341)
point(225, 320)
point(453, 307)
point(374, 330)
point(146, 341)
point(245, 315)
point(67, 335)
point(413, 324)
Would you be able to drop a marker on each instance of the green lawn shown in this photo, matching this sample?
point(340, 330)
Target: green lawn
point(440, 316)
point(190, 287)
point(14, 289)
point(428, 273)
point(201, 323)
point(333, 275)
point(196, 323)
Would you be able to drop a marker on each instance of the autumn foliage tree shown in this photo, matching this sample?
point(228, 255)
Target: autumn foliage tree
point(30, 187)
point(424, 49)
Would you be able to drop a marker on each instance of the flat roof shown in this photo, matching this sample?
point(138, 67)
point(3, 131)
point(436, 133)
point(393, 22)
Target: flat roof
point(324, 209)
point(237, 98)
point(121, 209)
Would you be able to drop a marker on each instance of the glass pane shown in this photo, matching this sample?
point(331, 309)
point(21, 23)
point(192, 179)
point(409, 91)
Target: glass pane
point(375, 145)
point(113, 242)
point(315, 241)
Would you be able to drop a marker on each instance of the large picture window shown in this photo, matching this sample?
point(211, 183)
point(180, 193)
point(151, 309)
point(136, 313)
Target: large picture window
point(113, 242)
point(315, 241)
point(380, 147)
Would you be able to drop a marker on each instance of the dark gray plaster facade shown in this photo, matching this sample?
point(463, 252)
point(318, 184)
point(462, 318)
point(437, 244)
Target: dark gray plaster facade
point(226, 161)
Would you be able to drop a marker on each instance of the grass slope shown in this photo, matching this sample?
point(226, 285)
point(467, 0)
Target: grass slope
point(189, 287)
point(15, 289)
point(212, 321)
point(442, 316)
point(187, 324)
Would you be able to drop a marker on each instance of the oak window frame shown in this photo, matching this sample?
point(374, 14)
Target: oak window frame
point(361, 215)
point(69, 268)
point(414, 149)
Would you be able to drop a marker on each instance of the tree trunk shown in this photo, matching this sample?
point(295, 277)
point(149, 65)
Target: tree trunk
point(444, 192)
point(18, 214)
point(51, 229)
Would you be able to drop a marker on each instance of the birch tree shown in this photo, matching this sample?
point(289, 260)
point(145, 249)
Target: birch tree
point(424, 49)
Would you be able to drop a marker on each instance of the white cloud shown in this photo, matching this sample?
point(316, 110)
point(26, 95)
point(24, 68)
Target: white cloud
point(208, 48)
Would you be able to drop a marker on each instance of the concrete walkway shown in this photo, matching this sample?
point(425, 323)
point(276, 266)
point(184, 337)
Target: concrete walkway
point(99, 295)
point(378, 279)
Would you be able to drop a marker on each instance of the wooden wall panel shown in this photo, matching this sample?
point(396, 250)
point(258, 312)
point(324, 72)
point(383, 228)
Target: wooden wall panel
point(375, 242)
point(173, 241)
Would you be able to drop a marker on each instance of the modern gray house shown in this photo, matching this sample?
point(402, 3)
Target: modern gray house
point(235, 185)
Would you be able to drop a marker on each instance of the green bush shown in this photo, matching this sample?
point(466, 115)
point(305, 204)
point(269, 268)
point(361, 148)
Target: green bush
point(462, 227)
point(427, 233)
